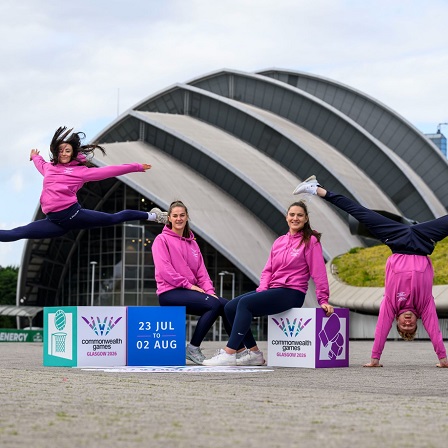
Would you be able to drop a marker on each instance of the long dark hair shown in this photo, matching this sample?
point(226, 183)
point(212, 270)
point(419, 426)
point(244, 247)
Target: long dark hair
point(186, 232)
point(64, 135)
point(307, 231)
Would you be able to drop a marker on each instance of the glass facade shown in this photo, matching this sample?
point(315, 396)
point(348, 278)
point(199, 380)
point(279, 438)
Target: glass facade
point(113, 266)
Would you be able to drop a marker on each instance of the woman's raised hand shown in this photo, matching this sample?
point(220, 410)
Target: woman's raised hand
point(34, 152)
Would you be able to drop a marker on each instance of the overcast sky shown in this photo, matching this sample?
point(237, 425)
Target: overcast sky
point(81, 63)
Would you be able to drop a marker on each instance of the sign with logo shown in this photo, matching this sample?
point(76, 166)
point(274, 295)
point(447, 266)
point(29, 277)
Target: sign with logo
point(10, 335)
point(156, 336)
point(85, 336)
point(306, 337)
point(60, 336)
point(101, 335)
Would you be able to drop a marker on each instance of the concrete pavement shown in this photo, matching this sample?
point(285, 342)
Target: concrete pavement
point(403, 404)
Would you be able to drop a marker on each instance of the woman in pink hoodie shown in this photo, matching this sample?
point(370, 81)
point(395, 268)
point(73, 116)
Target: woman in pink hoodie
point(294, 258)
point(409, 271)
point(67, 171)
point(183, 280)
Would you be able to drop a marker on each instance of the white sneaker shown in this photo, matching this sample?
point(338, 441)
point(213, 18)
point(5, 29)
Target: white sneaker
point(250, 358)
point(308, 186)
point(222, 358)
point(161, 217)
point(241, 354)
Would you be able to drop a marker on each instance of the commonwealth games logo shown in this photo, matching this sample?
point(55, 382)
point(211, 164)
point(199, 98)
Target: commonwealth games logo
point(291, 329)
point(101, 328)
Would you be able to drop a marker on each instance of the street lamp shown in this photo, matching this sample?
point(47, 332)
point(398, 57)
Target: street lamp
point(221, 290)
point(140, 278)
point(93, 264)
point(439, 126)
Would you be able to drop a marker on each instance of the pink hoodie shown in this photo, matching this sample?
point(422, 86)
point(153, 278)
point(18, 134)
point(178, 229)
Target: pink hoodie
point(409, 281)
point(291, 264)
point(178, 263)
point(62, 181)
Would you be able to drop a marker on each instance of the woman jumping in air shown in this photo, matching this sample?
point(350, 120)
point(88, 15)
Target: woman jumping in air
point(67, 171)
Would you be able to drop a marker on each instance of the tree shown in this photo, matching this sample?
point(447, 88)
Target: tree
point(8, 289)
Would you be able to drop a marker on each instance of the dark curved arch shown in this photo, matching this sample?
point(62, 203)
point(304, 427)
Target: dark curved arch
point(382, 122)
point(267, 135)
point(377, 161)
point(251, 188)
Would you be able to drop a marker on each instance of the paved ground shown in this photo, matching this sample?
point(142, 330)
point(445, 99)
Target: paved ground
point(401, 405)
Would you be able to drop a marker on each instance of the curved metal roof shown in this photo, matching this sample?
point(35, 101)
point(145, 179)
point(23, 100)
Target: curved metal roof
point(382, 122)
point(233, 145)
point(377, 161)
point(19, 311)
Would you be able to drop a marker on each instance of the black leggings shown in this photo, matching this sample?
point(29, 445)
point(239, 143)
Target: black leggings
point(198, 304)
point(242, 309)
point(73, 218)
point(417, 239)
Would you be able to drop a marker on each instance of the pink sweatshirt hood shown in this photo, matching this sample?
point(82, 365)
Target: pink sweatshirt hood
point(291, 263)
point(62, 181)
point(81, 158)
point(408, 288)
point(178, 263)
point(166, 231)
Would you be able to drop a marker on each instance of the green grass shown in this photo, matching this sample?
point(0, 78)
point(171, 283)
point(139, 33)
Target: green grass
point(365, 266)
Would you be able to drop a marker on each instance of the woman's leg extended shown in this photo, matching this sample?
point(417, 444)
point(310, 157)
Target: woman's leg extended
point(380, 226)
point(435, 230)
point(43, 228)
point(88, 219)
point(256, 304)
point(197, 304)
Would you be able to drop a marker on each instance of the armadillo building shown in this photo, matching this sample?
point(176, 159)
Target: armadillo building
point(233, 145)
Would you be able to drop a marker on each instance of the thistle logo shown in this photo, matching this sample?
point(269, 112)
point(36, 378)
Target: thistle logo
point(291, 329)
point(295, 252)
point(101, 328)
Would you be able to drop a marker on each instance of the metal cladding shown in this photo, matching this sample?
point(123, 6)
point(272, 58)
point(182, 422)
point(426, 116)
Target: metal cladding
point(233, 145)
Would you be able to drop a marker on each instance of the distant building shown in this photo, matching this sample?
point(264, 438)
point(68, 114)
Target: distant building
point(439, 140)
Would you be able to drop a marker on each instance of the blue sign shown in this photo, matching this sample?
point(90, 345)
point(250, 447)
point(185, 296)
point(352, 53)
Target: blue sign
point(156, 336)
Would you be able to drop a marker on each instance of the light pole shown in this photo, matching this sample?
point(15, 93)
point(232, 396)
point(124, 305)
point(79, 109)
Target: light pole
point(221, 290)
point(439, 126)
point(93, 264)
point(140, 269)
